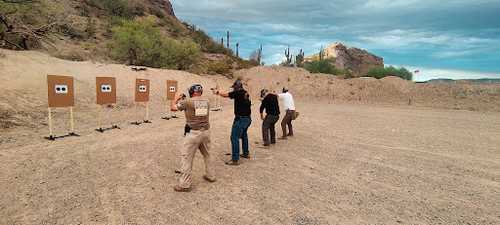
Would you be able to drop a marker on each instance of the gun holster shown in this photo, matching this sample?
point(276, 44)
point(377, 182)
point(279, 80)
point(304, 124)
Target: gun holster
point(187, 129)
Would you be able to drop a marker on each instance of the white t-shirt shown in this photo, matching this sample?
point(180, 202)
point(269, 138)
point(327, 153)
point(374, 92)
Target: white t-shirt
point(287, 101)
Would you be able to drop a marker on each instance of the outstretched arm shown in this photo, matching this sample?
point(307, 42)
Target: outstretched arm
point(173, 106)
point(224, 94)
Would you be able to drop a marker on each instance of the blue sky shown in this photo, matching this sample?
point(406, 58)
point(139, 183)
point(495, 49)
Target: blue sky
point(458, 39)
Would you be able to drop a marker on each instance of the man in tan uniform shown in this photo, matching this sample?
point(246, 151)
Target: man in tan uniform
point(196, 135)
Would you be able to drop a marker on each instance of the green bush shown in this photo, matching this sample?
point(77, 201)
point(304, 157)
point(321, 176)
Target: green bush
point(219, 67)
point(140, 8)
point(139, 42)
point(121, 8)
point(323, 66)
point(159, 14)
point(186, 55)
point(380, 72)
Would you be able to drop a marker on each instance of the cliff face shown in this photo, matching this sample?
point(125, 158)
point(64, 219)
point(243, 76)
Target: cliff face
point(357, 60)
point(163, 5)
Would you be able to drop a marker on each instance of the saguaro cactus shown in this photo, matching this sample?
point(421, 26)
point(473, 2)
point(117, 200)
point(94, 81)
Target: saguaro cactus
point(321, 54)
point(227, 42)
point(258, 56)
point(237, 45)
point(299, 58)
point(288, 58)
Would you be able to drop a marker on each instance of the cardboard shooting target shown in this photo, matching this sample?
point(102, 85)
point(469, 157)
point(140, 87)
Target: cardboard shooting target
point(60, 91)
point(141, 90)
point(172, 88)
point(106, 90)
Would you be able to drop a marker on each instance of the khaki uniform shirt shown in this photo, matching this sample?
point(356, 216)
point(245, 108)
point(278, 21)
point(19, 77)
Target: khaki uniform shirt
point(197, 111)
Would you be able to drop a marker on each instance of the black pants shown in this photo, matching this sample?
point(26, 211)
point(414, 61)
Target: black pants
point(268, 128)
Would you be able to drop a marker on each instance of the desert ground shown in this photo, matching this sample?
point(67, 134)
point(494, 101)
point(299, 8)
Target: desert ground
point(365, 151)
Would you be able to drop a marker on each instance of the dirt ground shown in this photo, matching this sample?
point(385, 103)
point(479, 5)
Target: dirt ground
point(350, 161)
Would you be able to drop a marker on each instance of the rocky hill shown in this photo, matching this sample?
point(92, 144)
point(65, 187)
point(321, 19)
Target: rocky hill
point(343, 57)
point(132, 32)
point(163, 5)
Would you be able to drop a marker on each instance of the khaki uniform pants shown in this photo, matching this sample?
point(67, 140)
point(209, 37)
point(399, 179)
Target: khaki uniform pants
point(195, 139)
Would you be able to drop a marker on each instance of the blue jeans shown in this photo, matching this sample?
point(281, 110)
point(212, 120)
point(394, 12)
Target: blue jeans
point(238, 131)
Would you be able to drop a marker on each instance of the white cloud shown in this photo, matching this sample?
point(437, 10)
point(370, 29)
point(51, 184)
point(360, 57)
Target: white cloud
point(453, 54)
point(384, 4)
point(401, 31)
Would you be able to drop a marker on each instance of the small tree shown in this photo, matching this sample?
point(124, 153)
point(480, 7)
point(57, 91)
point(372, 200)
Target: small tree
point(255, 57)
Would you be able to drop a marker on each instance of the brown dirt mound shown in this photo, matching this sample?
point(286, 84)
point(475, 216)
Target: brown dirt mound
point(394, 91)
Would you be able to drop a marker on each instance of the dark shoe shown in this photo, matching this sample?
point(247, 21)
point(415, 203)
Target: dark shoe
point(209, 180)
point(246, 156)
point(282, 138)
point(181, 189)
point(264, 146)
point(233, 163)
point(273, 144)
point(290, 135)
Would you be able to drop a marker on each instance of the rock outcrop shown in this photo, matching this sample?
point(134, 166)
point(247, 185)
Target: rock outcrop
point(163, 5)
point(356, 60)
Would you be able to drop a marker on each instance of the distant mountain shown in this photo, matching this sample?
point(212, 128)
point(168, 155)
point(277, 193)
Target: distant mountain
point(482, 80)
point(344, 57)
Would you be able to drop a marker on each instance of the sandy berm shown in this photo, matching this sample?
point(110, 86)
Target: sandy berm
point(361, 154)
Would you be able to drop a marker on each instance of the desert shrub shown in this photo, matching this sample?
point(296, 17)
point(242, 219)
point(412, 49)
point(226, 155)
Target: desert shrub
point(90, 28)
point(121, 8)
point(254, 58)
point(139, 42)
point(244, 64)
point(376, 72)
point(380, 72)
point(85, 10)
point(186, 55)
point(221, 67)
point(72, 32)
point(322, 66)
point(160, 14)
point(26, 16)
point(139, 8)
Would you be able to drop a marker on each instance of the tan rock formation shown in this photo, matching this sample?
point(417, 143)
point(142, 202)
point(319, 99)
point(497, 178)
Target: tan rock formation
point(343, 57)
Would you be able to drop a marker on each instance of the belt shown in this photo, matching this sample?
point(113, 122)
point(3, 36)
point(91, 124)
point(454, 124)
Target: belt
point(244, 116)
point(205, 127)
point(290, 110)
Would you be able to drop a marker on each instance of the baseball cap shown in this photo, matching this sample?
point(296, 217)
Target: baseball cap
point(237, 84)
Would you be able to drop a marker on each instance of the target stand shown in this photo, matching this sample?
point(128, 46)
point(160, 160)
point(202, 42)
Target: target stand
point(172, 88)
point(105, 94)
point(60, 94)
point(100, 129)
point(217, 100)
point(142, 95)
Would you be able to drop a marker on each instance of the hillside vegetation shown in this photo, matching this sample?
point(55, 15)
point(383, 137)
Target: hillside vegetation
point(139, 32)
